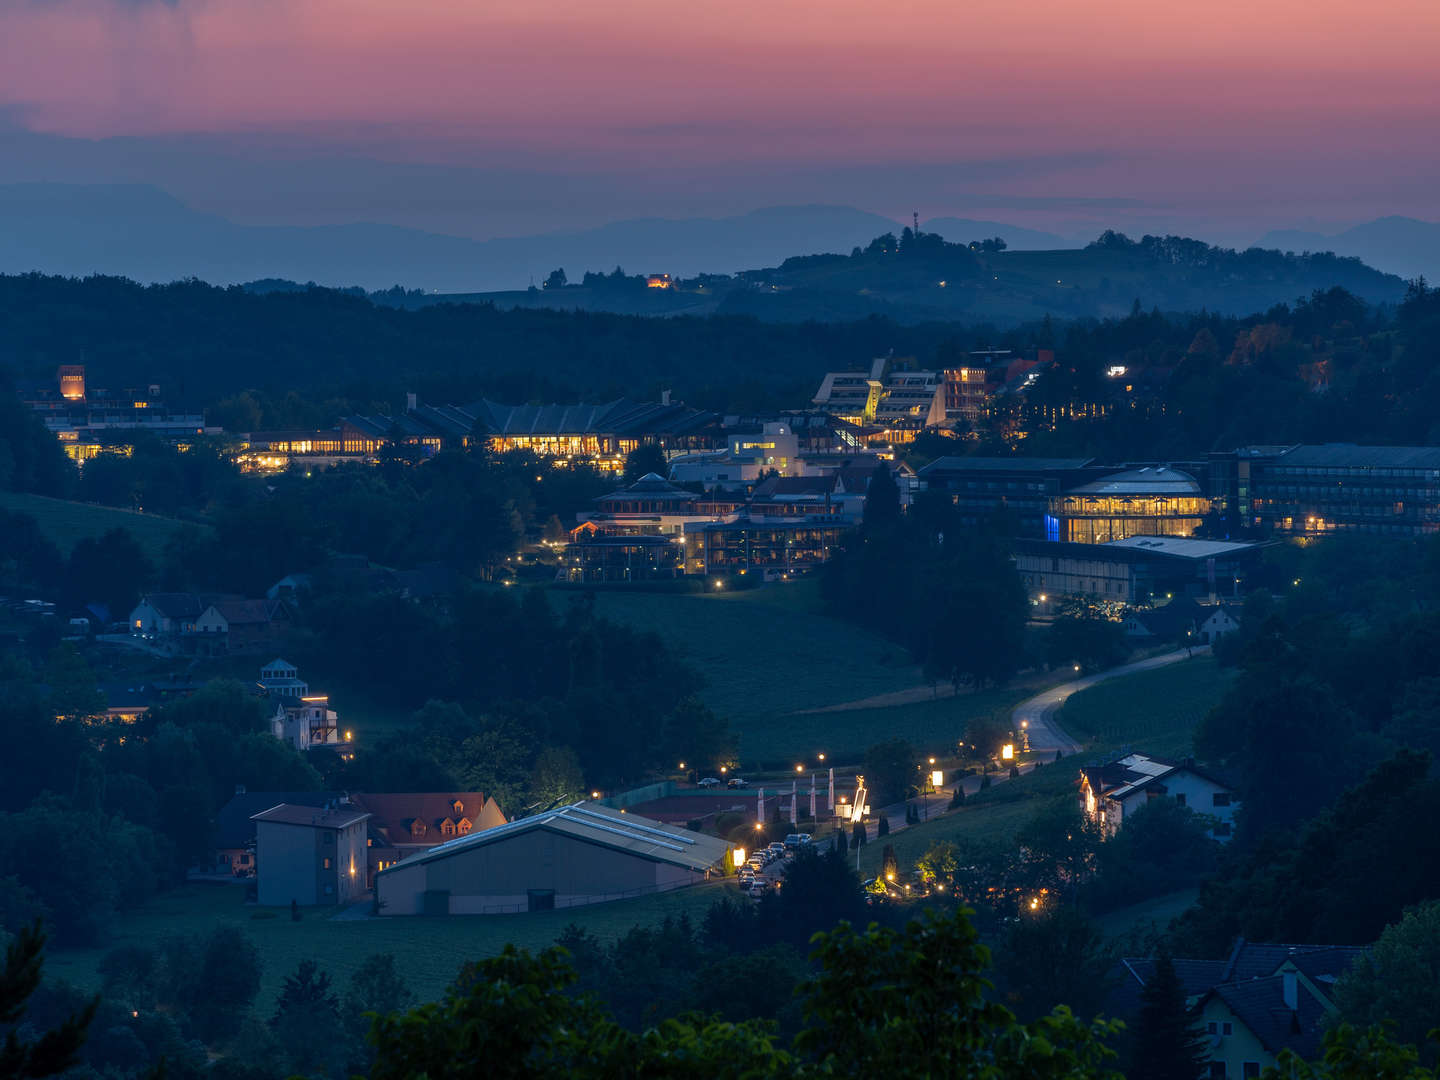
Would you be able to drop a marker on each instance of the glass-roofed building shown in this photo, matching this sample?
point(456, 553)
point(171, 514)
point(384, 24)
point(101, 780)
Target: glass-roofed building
point(1152, 501)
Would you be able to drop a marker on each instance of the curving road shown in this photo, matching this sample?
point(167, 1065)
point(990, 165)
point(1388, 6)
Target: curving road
point(1038, 712)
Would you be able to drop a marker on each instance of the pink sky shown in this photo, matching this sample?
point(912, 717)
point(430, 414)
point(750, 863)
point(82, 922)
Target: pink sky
point(1316, 105)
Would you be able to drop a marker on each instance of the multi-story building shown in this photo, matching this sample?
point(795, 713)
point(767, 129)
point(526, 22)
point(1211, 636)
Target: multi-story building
point(310, 856)
point(1321, 489)
point(895, 403)
point(89, 421)
point(1149, 501)
point(1134, 571)
point(981, 487)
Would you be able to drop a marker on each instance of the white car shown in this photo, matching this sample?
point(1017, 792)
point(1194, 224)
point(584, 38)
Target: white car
point(710, 781)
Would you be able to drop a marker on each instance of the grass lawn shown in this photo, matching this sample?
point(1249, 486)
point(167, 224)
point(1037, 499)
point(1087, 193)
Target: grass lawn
point(1157, 911)
point(766, 653)
point(67, 523)
point(429, 951)
point(932, 725)
point(1154, 712)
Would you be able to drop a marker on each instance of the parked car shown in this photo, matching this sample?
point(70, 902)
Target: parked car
point(710, 781)
point(792, 841)
point(778, 847)
point(737, 782)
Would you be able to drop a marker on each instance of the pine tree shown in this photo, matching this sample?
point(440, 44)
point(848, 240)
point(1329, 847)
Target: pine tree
point(56, 1050)
point(1168, 1044)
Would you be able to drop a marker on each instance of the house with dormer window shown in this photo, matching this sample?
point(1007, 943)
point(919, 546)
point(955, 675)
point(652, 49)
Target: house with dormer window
point(407, 823)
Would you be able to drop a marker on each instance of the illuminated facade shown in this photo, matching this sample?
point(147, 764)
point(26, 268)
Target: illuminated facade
point(768, 547)
point(1337, 487)
point(1151, 501)
point(1110, 793)
point(886, 397)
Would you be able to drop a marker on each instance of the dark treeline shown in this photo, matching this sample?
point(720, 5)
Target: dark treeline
point(306, 357)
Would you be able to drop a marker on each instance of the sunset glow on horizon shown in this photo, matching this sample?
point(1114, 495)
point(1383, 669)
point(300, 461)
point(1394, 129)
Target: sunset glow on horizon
point(1113, 98)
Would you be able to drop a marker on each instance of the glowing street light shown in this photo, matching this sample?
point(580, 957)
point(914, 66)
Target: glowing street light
point(799, 768)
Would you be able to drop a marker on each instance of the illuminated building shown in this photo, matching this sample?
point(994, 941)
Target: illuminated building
point(1021, 488)
point(1149, 501)
point(660, 281)
point(1322, 489)
point(1133, 571)
point(1110, 793)
point(896, 401)
point(90, 421)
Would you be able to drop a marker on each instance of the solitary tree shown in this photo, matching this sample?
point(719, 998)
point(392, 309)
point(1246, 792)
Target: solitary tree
point(1168, 1045)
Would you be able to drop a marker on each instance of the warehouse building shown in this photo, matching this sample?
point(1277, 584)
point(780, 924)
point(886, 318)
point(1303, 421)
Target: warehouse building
point(576, 855)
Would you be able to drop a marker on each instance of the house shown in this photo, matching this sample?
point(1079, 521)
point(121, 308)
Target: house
point(162, 618)
point(310, 855)
point(1173, 622)
point(229, 625)
point(206, 624)
point(126, 703)
point(234, 850)
point(1262, 999)
point(298, 717)
point(1221, 620)
point(1112, 792)
point(568, 857)
point(407, 823)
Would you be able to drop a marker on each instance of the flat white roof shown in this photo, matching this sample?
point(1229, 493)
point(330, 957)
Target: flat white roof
point(1182, 546)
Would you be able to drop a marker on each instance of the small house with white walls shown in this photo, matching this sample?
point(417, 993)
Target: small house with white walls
point(1110, 793)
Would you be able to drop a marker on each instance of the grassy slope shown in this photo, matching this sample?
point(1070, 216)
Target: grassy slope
point(766, 653)
point(67, 523)
point(1154, 711)
point(429, 951)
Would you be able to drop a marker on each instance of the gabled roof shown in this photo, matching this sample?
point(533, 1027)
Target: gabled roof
point(243, 612)
point(600, 825)
point(233, 825)
point(1260, 1005)
point(392, 812)
point(1124, 777)
point(174, 605)
point(318, 817)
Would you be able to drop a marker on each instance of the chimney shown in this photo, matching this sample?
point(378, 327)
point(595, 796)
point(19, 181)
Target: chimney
point(410, 402)
point(664, 397)
point(239, 789)
point(1290, 990)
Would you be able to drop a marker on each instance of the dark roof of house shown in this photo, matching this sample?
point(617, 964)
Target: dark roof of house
point(127, 695)
point(651, 486)
point(1129, 976)
point(1260, 1005)
point(243, 612)
point(175, 605)
point(779, 486)
point(319, 817)
point(233, 827)
point(1004, 464)
point(1256, 959)
point(1167, 621)
point(1136, 772)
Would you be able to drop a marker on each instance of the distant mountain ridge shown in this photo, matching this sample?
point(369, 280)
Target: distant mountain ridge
point(143, 233)
point(1399, 245)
